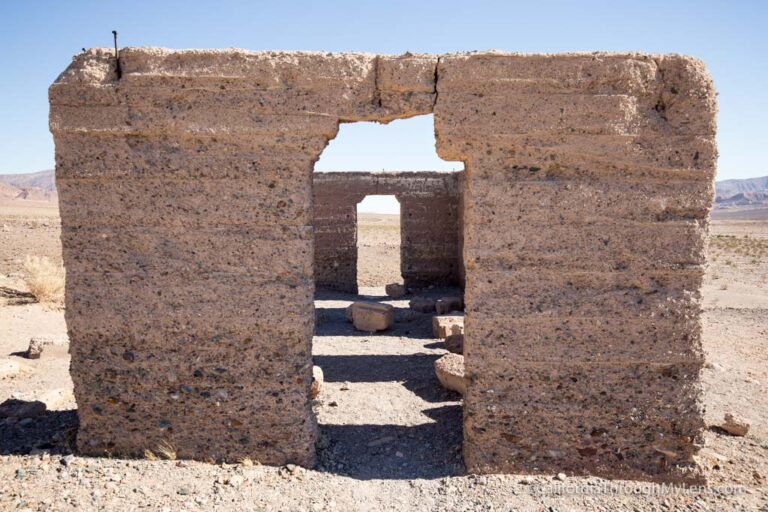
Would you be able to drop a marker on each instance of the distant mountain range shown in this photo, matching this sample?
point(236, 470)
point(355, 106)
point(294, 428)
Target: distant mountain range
point(747, 192)
point(41, 179)
point(41, 186)
point(33, 186)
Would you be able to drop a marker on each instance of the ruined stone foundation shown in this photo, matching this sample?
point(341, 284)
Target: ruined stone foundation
point(187, 213)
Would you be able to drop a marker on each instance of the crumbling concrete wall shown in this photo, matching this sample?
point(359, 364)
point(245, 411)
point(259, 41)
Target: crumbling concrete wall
point(429, 202)
point(186, 202)
point(589, 179)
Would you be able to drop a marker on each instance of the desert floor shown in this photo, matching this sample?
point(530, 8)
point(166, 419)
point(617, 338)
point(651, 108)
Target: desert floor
point(390, 435)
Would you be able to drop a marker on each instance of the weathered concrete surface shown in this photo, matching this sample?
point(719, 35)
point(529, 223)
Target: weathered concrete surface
point(589, 179)
point(429, 228)
point(449, 370)
point(186, 202)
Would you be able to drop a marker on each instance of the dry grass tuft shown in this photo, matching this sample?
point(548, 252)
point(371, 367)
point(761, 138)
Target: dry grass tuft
point(45, 280)
point(164, 450)
point(150, 455)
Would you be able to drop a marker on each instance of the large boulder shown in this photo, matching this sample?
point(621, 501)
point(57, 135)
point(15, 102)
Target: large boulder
point(372, 316)
point(450, 372)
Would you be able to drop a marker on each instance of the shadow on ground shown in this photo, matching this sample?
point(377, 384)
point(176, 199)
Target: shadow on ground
point(431, 450)
point(415, 372)
point(408, 324)
point(21, 432)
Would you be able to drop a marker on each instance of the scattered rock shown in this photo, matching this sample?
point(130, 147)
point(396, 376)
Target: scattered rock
point(450, 372)
point(235, 480)
point(13, 408)
point(395, 290)
point(735, 425)
point(422, 304)
point(317, 382)
point(446, 305)
point(9, 368)
point(37, 343)
point(372, 316)
point(68, 460)
point(455, 343)
point(560, 476)
point(292, 470)
point(442, 325)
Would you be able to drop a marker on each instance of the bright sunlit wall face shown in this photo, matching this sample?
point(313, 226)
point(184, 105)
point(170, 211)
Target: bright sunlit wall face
point(543, 136)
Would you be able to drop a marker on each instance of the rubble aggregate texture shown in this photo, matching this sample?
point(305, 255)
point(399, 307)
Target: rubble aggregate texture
point(186, 196)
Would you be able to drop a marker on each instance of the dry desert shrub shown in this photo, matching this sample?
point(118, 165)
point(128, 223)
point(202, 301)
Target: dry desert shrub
point(164, 451)
point(45, 280)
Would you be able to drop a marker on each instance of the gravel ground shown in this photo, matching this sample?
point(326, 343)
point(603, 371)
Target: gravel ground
point(390, 437)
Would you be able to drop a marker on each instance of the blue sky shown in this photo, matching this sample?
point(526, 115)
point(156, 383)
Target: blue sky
point(39, 37)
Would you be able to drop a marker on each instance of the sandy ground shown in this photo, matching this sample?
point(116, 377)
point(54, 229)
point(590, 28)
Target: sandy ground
point(378, 249)
point(390, 437)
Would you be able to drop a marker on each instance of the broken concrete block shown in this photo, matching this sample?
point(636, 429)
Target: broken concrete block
point(455, 343)
point(317, 382)
point(395, 290)
point(450, 372)
point(422, 304)
point(442, 325)
point(372, 316)
point(735, 425)
point(349, 311)
point(446, 305)
point(37, 343)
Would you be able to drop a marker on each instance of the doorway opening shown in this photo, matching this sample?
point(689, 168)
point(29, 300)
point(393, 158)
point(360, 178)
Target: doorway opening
point(386, 210)
point(378, 243)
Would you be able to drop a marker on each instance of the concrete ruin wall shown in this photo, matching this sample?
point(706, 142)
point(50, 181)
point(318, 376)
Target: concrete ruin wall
point(186, 203)
point(429, 203)
point(589, 180)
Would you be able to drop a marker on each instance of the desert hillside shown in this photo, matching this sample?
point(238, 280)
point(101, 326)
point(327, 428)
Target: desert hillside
point(34, 186)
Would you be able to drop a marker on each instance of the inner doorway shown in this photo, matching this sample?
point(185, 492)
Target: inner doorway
point(378, 243)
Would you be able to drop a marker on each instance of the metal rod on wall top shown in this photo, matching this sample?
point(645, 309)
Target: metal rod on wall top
point(117, 57)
